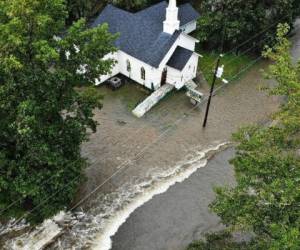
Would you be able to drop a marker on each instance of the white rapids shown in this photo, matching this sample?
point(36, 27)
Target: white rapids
point(95, 228)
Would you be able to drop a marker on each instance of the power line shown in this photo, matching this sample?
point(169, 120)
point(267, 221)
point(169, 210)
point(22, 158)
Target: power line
point(48, 180)
point(248, 50)
point(138, 155)
point(30, 193)
point(149, 145)
point(161, 135)
point(256, 35)
point(248, 40)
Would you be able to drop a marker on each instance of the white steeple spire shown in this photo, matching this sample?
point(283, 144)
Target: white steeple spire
point(171, 23)
point(172, 4)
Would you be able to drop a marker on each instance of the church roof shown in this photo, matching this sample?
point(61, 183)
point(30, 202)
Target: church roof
point(141, 33)
point(180, 58)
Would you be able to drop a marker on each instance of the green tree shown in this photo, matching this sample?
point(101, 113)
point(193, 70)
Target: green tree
point(82, 8)
point(43, 118)
point(266, 199)
point(88, 8)
point(131, 4)
point(243, 20)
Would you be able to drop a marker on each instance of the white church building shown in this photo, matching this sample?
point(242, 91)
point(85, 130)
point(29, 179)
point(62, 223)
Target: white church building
point(154, 45)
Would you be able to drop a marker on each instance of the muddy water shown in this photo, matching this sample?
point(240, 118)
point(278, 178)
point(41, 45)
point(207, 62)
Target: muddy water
point(147, 151)
point(179, 216)
point(109, 211)
point(159, 183)
point(152, 148)
point(134, 155)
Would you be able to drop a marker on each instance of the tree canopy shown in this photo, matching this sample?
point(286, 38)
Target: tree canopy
point(89, 8)
point(43, 118)
point(239, 20)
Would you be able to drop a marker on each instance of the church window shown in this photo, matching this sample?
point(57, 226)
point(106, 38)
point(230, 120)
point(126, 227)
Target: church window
point(143, 73)
point(128, 65)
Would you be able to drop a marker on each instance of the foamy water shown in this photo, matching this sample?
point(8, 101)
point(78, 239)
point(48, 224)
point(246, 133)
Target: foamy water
point(103, 240)
point(95, 228)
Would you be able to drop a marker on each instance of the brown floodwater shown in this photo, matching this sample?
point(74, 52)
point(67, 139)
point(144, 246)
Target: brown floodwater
point(128, 156)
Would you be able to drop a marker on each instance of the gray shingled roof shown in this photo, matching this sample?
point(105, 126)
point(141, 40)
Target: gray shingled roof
point(141, 33)
point(180, 58)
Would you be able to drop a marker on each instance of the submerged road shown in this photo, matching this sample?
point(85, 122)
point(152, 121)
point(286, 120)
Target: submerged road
point(175, 218)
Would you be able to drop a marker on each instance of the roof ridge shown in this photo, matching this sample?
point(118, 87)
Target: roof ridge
point(141, 33)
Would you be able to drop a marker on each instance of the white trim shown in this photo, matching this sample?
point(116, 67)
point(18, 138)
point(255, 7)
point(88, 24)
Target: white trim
point(198, 54)
point(195, 20)
point(187, 35)
point(175, 69)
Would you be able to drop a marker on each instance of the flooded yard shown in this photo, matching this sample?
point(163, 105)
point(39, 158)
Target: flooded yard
point(132, 159)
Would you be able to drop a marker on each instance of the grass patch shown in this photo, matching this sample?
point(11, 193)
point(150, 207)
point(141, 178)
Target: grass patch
point(233, 64)
point(130, 94)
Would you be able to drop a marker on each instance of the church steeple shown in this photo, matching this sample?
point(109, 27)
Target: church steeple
point(171, 23)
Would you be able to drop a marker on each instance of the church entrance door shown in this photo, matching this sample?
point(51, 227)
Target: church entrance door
point(164, 76)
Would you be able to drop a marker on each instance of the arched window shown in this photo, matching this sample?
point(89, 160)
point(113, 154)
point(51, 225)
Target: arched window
point(143, 73)
point(128, 65)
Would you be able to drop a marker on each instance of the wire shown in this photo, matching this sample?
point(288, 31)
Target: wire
point(162, 134)
point(28, 194)
point(45, 200)
point(248, 40)
point(256, 35)
point(125, 163)
point(48, 180)
point(149, 145)
point(246, 51)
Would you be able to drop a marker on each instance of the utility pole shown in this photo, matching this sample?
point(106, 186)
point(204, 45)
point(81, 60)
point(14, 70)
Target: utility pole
point(218, 73)
point(212, 90)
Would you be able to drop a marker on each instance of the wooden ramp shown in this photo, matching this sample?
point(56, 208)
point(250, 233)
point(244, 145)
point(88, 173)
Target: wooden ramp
point(153, 99)
point(194, 95)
